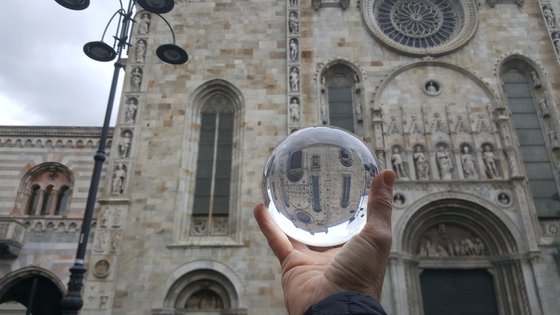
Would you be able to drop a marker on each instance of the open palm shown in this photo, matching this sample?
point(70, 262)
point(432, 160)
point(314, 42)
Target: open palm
point(310, 274)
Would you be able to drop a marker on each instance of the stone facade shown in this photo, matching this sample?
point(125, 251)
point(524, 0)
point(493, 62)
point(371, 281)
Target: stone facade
point(464, 199)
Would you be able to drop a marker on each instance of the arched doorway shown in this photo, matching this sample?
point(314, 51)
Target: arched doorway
point(36, 289)
point(460, 255)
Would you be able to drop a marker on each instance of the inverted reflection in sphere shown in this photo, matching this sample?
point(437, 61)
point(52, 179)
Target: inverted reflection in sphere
point(316, 183)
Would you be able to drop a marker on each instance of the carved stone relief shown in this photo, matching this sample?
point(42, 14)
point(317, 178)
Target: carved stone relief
point(398, 163)
point(144, 23)
point(136, 79)
point(491, 162)
point(140, 50)
point(102, 268)
point(124, 143)
point(119, 177)
point(468, 163)
point(444, 162)
point(447, 240)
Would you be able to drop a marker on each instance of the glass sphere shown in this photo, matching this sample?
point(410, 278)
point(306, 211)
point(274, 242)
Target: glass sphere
point(316, 183)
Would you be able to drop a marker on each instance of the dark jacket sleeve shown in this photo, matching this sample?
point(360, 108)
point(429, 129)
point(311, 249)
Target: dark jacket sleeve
point(347, 302)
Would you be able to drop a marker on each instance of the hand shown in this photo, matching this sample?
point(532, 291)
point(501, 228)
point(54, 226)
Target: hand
point(310, 274)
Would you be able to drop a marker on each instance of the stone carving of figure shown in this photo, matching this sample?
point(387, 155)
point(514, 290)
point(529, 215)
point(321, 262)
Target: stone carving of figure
point(124, 145)
point(293, 3)
point(294, 49)
point(415, 126)
point(140, 51)
point(393, 126)
point(119, 175)
point(115, 239)
point(358, 110)
point(432, 88)
point(503, 198)
point(397, 162)
point(101, 241)
point(536, 79)
point(420, 163)
point(556, 41)
point(293, 22)
point(294, 110)
point(549, 16)
point(553, 137)
point(294, 79)
point(490, 162)
point(467, 160)
point(545, 112)
point(130, 110)
point(444, 163)
point(136, 80)
point(398, 199)
point(438, 124)
point(462, 124)
point(144, 24)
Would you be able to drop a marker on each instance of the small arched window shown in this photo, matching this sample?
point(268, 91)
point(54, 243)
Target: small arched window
point(62, 200)
point(46, 190)
point(34, 196)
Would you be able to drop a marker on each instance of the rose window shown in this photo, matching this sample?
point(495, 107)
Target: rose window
point(421, 27)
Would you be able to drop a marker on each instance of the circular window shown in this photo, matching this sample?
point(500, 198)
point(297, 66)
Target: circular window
point(421, 27)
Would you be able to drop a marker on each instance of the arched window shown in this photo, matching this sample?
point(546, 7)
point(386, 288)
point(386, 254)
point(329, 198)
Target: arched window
point(214, 167)
point(62, 200)
point(46, 189)
point(341, 105)
point(33, 201)
point(530, 134)
point(47, 200)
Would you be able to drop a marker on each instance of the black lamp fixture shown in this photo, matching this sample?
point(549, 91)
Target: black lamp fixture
point(101, 51)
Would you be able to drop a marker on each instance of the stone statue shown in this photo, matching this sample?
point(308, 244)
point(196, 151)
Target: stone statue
point(490, 162)
point(432, 88)
point(545, 111)
point(124, 144)
point(115, 239)
point(467, 160)
point(140, 51)
point(119, 175)
point(144, 24)
point(503, 198)
point(420, 163)
point(556, 41)
point(536, 79)
point(130, 110)
point(293, 3)
point(294, 110)
point(136, 80)
point(294, 49)
point(444, 163)
point(398, 165)
point(293, 22)
point(549, 16)
point(294, 79)
point(415, 126)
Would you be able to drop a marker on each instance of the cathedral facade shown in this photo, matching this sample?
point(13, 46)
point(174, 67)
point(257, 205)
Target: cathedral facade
point(459, 97)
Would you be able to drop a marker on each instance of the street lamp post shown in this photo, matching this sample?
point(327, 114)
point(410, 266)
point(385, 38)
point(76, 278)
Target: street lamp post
point(100, 51)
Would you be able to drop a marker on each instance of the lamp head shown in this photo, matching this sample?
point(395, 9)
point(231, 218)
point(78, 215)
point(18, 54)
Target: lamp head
point(74, 4)
point(99, 51)
point(173, 54)
point(157, 6)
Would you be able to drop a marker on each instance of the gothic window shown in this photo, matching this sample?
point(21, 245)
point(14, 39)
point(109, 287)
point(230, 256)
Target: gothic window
point(46, 190)
point(529, 129)
point(341, 106)
point(214, 167)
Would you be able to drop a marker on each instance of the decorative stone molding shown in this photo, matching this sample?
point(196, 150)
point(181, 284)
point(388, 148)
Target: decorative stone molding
point(318, 4)
point(550, 227)
point(421, 27)
point(51, 137)
point(51, 224)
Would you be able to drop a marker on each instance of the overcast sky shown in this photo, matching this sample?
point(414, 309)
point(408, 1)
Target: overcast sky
point(45, 78)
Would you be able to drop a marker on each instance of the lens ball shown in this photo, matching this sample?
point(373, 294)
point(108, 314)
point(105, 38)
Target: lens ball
point(315, 185)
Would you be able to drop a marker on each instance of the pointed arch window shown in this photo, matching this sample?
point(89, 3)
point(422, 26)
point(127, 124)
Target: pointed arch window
point(530, 134)
point(214, 167)
point(341, 106)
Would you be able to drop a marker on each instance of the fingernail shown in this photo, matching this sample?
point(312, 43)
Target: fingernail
point(389, 178)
